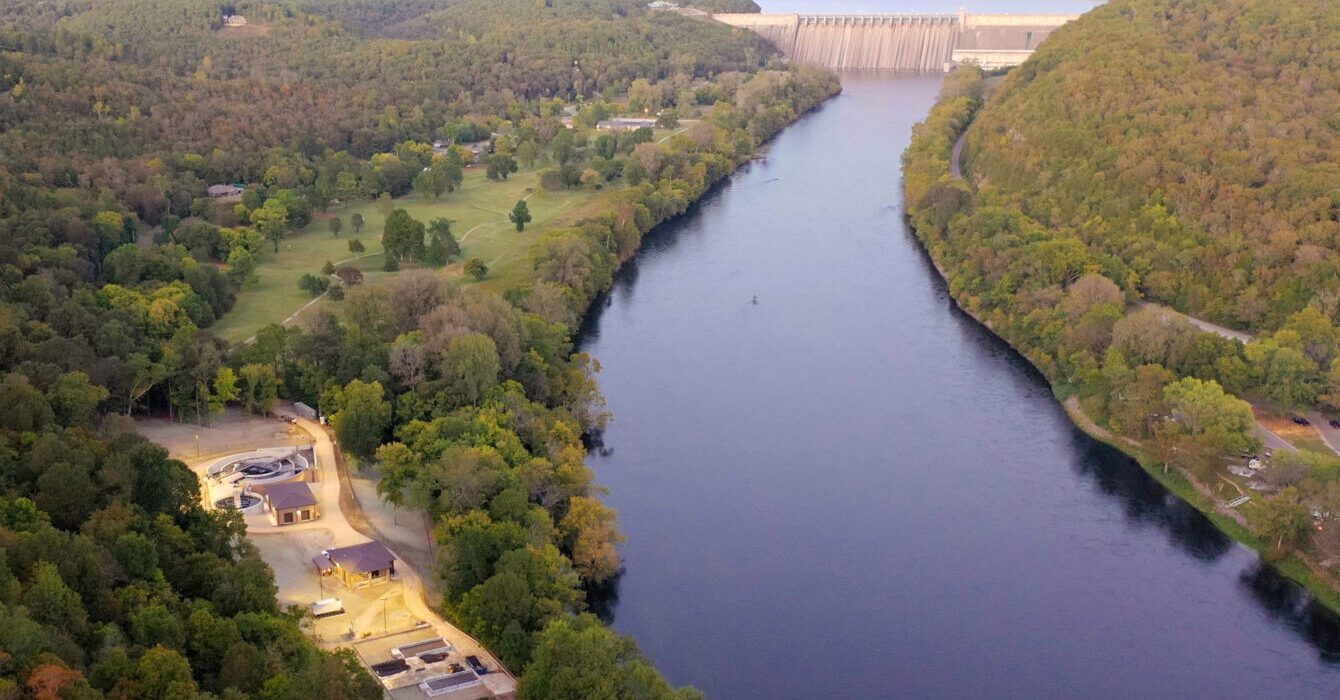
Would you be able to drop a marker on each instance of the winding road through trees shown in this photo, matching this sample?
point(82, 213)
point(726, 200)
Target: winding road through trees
point(1329, 435)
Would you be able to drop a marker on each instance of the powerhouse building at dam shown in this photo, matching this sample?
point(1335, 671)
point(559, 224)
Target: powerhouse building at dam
point(920, 43)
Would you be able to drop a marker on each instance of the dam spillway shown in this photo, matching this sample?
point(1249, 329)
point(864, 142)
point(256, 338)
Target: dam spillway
point(910, 43)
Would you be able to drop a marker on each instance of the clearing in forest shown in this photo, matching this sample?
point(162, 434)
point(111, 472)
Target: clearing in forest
point(478, 212)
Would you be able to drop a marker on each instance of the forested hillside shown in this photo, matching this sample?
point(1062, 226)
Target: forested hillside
point(115, 117)
point(1194, 145)
point(1180, 151)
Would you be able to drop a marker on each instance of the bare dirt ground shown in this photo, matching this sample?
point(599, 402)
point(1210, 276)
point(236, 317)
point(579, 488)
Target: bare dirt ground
point(406, 531)
point(350, 512)
point(368, 611)
point(290, 555)
point(232, 431)
point(1302, 435)
point(246, 31)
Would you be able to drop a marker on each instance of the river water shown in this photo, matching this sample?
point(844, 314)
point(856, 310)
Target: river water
point(850, 489)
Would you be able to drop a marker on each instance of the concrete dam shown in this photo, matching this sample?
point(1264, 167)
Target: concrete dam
point(914, 43)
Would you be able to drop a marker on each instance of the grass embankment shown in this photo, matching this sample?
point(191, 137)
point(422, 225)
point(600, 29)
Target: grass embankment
point(478, 211)
point(1291, 566)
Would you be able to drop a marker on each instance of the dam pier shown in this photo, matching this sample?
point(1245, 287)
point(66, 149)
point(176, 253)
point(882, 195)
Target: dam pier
point(910, 43)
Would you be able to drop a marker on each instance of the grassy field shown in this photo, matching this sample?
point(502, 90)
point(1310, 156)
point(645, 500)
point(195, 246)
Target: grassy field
point(478, 211)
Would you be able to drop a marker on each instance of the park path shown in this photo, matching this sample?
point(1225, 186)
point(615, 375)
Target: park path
point(1329, 435)
point(294, 316)
point(342, 513)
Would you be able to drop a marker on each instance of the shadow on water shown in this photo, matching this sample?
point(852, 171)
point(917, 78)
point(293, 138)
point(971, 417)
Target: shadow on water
point(660, 240)
point(1144, 500)
point(666, 236)
point(602, 599)
point(1292, 606)
point(1147, 503)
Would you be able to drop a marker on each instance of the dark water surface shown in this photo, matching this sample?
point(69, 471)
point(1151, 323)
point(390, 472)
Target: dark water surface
point(851, 490)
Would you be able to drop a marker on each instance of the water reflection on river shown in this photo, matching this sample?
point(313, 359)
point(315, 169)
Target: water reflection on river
point(850, 489)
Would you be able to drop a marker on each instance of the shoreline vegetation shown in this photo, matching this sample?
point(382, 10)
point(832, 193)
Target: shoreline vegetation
point(473, 446)
point(1293, 566)
point(1142, 380)
point(141, 192)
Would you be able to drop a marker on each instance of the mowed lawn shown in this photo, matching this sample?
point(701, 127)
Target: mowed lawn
point(478, 212)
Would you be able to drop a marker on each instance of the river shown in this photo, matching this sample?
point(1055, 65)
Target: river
point(836, 484)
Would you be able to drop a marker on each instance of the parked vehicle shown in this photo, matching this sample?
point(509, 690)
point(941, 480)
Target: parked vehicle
point(1335, 424)
point(1301, 420)
point(327, 607)
point(476, 665)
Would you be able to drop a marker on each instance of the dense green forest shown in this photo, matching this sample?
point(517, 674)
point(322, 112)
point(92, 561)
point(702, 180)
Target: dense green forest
point(1181, 151)
point(1194, 144)
point(115, 117)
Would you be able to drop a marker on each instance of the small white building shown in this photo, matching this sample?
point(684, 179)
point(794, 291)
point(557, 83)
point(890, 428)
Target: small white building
point(234, 21)
point(626, 124)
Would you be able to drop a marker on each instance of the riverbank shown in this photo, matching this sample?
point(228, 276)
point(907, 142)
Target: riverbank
point(1293, 566)
point(947, 135)
point(871, 471)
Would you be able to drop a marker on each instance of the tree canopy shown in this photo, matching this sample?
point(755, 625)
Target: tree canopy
point(1176, 151)
point(153, 160)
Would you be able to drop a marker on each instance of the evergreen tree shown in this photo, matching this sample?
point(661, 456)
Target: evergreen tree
point(520, 215)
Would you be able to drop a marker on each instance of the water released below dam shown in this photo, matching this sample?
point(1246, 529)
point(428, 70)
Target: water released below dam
point(913, 44)
point(851, 489)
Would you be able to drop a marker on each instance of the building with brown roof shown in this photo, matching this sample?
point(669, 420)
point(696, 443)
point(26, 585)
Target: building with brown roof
point(289, 503)
point(357, 565)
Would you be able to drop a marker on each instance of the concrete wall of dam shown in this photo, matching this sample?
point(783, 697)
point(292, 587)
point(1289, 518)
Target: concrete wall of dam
point(913, 43)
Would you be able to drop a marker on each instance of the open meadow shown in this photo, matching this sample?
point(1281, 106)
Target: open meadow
point(478, 212)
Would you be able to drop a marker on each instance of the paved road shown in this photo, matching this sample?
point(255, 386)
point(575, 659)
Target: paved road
point(1329, 435)
point(1270, 439)
point(1202, 324)
point(956, 157)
